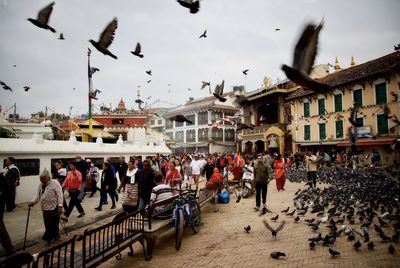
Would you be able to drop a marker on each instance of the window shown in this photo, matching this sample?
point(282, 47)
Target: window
point(203, 118)
point(229, 135)
point(357, 97)
point(168, 124)
point(27, 167)
point(151, 122)
point(338, 103)
point(118, 121)
point(190, 118)
point(306, 106)
point(179, 136)
point(321, 106)
point(360, 121)
point(203, 134)
point(380, 93)
point(178, 124)
point(217, 134)
point(307, 134)
point(159, 122)
point(190, 135)
point(339, 129)
point(382, 124)
point(322, 131)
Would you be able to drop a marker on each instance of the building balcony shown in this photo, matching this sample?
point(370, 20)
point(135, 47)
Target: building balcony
point(263, 128)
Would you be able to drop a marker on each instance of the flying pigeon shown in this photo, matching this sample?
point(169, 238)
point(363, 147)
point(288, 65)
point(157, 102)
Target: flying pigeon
point(180, 118)
point(275, 231)
point(303, 59)
point(397, 47)
point(43, 18)
point(147, 98)
point(106, 38)
point(93, 94)
point(219, 90)
point(192, 5)
point(61, 37)
point(277, 29)
point(15, 65)
point(138, 50)
point(148, 81)
point(204, 34)
point(26, 88)
point(189, 89)
point(148, 72)
point(204, 84)
point(245, 71)
point(140, 102)
point(5, 86)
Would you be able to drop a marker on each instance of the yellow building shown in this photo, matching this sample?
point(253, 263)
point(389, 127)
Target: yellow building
point(320, 121)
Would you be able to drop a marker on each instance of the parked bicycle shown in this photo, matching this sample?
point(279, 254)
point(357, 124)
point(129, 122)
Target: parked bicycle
point(187, 212)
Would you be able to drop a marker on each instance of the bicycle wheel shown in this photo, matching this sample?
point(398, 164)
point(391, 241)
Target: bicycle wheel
point(179, 229)
point(196, 217)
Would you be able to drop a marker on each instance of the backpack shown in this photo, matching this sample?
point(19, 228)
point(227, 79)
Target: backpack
point(223, 197)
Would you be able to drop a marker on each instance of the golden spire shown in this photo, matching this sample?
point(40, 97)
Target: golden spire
point(352, 63)
point(337, 66)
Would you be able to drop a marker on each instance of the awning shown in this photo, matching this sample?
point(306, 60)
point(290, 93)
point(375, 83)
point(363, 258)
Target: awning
point(368, 142)
point(317, 143)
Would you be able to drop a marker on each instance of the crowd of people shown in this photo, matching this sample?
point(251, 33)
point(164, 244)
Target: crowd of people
point(145, 181)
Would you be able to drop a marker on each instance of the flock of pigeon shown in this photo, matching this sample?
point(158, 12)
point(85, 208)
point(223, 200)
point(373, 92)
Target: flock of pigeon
point(358, 206)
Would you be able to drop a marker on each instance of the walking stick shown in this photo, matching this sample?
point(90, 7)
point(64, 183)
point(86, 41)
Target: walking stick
point(63, 226)
point(26, 229)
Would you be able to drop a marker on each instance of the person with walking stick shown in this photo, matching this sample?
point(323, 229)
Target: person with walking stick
point(50, 195)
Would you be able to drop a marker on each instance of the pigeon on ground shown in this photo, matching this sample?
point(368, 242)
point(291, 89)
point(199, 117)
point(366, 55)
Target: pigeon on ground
point(370, 245)
point(245, 71)
point(26, 88)
point(303, 60)
point(43, 18)
point(275, 231)
point(297, 218)
point(61, 37)
point(5, 86)
point(291, 213)
point(391, 249)
point(275, 218)
point(285, 210)
point(204, 34)
point(180, 118)
point(219, 90)
point(106, 38)
point(137, 51)
point(334, 253)
point(312, 245)
point(277, 254)
point(357, 245)
point(192, 5)
point(247, 229)
point(149, 73)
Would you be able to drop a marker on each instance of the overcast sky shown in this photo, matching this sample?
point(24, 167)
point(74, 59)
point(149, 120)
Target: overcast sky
point(241, 35)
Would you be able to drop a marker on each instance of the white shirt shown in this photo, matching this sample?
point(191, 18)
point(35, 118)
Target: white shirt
point(131, 174)
point(196, 167)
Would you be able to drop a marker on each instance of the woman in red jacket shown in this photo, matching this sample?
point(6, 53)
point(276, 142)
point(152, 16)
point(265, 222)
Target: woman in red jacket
point(73, 183)
point(279, 169)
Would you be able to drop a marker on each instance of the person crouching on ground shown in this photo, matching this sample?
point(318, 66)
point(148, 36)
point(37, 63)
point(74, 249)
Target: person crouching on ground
point(50, 195)
point(216, 182)
point(73, 183)
point(262, 176)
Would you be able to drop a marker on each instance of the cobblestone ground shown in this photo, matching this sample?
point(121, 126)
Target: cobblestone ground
point(222, 241)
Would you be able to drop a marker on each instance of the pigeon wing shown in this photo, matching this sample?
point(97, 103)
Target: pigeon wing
point(306, 48)
point(3, 84)
point(138, 48)
point(107, 36)
point(280, 226)
point(44, 14)
point(269, 227)
point(219, 89)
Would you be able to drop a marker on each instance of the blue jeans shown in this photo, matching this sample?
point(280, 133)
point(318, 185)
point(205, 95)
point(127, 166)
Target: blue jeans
point(143, 202)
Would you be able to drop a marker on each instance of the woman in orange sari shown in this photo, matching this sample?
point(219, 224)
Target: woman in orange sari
point(279, 170)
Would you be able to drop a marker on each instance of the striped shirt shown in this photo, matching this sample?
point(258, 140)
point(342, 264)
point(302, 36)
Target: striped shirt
point(160, 192)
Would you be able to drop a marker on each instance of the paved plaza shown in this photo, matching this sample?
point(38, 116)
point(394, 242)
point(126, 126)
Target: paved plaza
point(222, 242)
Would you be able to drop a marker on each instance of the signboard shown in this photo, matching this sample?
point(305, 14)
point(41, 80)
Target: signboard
point(364, 132)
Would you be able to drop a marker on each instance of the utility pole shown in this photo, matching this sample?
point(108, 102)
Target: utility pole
point(15, 112)
point(89, 93)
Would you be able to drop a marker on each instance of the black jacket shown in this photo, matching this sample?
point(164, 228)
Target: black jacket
point(145, 183)
point(108, 179)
